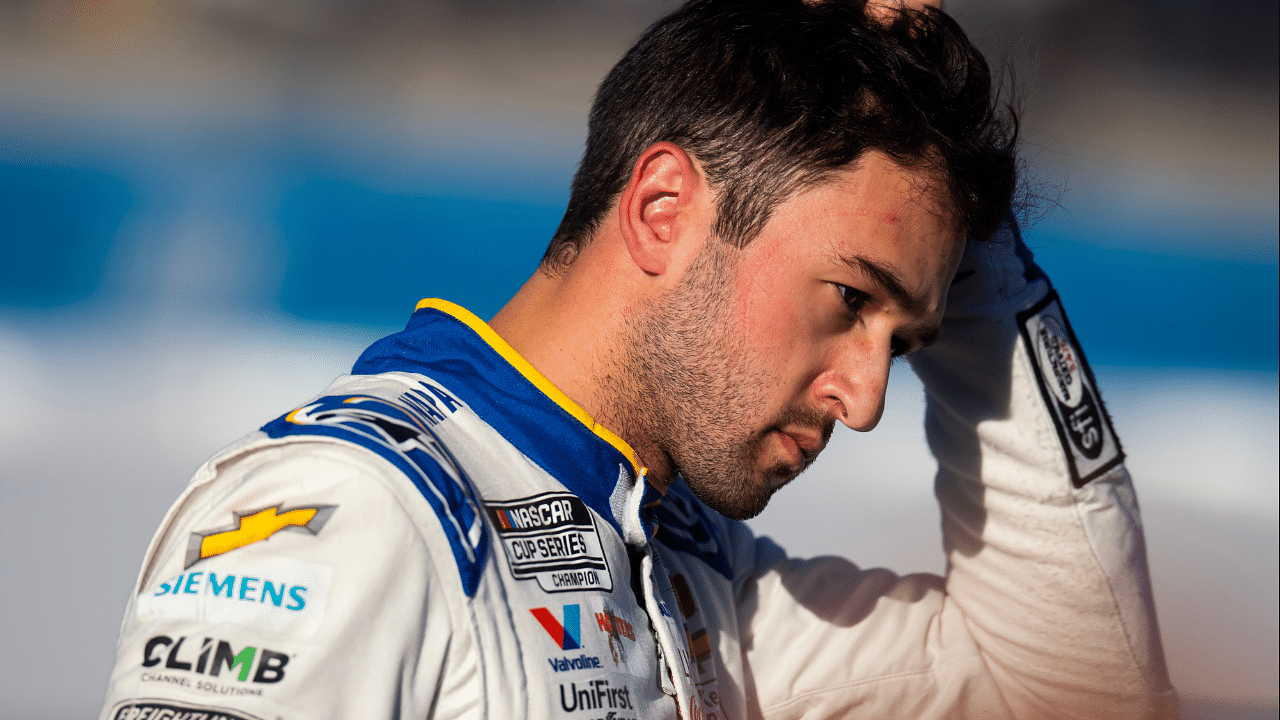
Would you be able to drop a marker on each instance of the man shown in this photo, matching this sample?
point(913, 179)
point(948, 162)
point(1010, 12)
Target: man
point(531, 518)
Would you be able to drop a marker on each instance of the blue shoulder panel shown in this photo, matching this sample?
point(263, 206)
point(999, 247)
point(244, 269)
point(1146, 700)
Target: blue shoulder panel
point(401, 436)
point(445, 349)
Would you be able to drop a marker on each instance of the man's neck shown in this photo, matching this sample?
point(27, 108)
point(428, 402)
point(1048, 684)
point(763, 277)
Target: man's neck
point(572, 328)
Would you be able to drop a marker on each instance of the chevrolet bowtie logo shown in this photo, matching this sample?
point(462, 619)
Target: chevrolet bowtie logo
point(255, 526)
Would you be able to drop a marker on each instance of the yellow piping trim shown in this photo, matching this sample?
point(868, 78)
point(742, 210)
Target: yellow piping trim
point(531, 374)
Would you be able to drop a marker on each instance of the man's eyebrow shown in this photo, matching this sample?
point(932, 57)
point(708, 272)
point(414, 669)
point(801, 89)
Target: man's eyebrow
point(887, 279)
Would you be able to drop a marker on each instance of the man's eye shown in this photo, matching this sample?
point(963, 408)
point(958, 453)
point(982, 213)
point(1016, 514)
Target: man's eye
point(855, 299)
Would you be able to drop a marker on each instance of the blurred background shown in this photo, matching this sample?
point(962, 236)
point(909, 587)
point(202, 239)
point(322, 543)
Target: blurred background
point(208, 208)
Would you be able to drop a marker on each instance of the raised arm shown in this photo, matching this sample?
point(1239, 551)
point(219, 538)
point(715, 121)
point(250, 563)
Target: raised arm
point(1040, 522)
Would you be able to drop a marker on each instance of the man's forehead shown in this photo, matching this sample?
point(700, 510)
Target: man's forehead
point(902, 189)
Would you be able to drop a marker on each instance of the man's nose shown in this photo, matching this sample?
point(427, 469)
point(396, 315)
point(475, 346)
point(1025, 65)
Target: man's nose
point(855, 384)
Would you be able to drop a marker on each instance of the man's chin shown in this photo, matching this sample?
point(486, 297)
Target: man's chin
point(743, 501)
point(735, 510)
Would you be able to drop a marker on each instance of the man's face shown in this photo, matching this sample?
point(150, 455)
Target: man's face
point(745, 367)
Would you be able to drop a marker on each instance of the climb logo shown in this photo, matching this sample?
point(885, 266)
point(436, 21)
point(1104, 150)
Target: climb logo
point(269, 666)
point(567, 633)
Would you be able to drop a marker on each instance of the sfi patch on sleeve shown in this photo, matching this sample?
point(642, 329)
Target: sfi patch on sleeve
point(1069, 391)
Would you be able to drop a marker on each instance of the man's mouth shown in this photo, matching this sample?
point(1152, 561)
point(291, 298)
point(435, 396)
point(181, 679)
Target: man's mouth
point(801, 435)
point(810, 444)
point(801, 446)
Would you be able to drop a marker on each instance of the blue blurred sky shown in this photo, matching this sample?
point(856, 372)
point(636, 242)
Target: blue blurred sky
point(336, 162)
point(299, 230)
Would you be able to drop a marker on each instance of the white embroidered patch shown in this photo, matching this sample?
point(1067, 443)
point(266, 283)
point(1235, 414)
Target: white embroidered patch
point(1067, 387)
point(552, 538)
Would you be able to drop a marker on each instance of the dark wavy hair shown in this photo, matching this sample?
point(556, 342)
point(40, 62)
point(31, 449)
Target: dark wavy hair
point(772, 96)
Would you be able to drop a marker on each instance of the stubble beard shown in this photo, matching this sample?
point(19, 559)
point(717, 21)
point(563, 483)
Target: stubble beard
point(693, 393)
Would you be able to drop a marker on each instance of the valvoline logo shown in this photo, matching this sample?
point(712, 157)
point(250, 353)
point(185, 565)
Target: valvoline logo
point(567, 634)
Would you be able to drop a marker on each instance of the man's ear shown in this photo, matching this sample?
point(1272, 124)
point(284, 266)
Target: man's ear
point(659, 207)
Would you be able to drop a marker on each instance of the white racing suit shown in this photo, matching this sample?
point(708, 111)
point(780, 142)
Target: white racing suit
point(444, 534)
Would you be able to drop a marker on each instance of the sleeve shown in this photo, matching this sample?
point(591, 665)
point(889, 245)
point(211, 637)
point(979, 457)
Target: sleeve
point(292, 580)
point(1046, 610)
